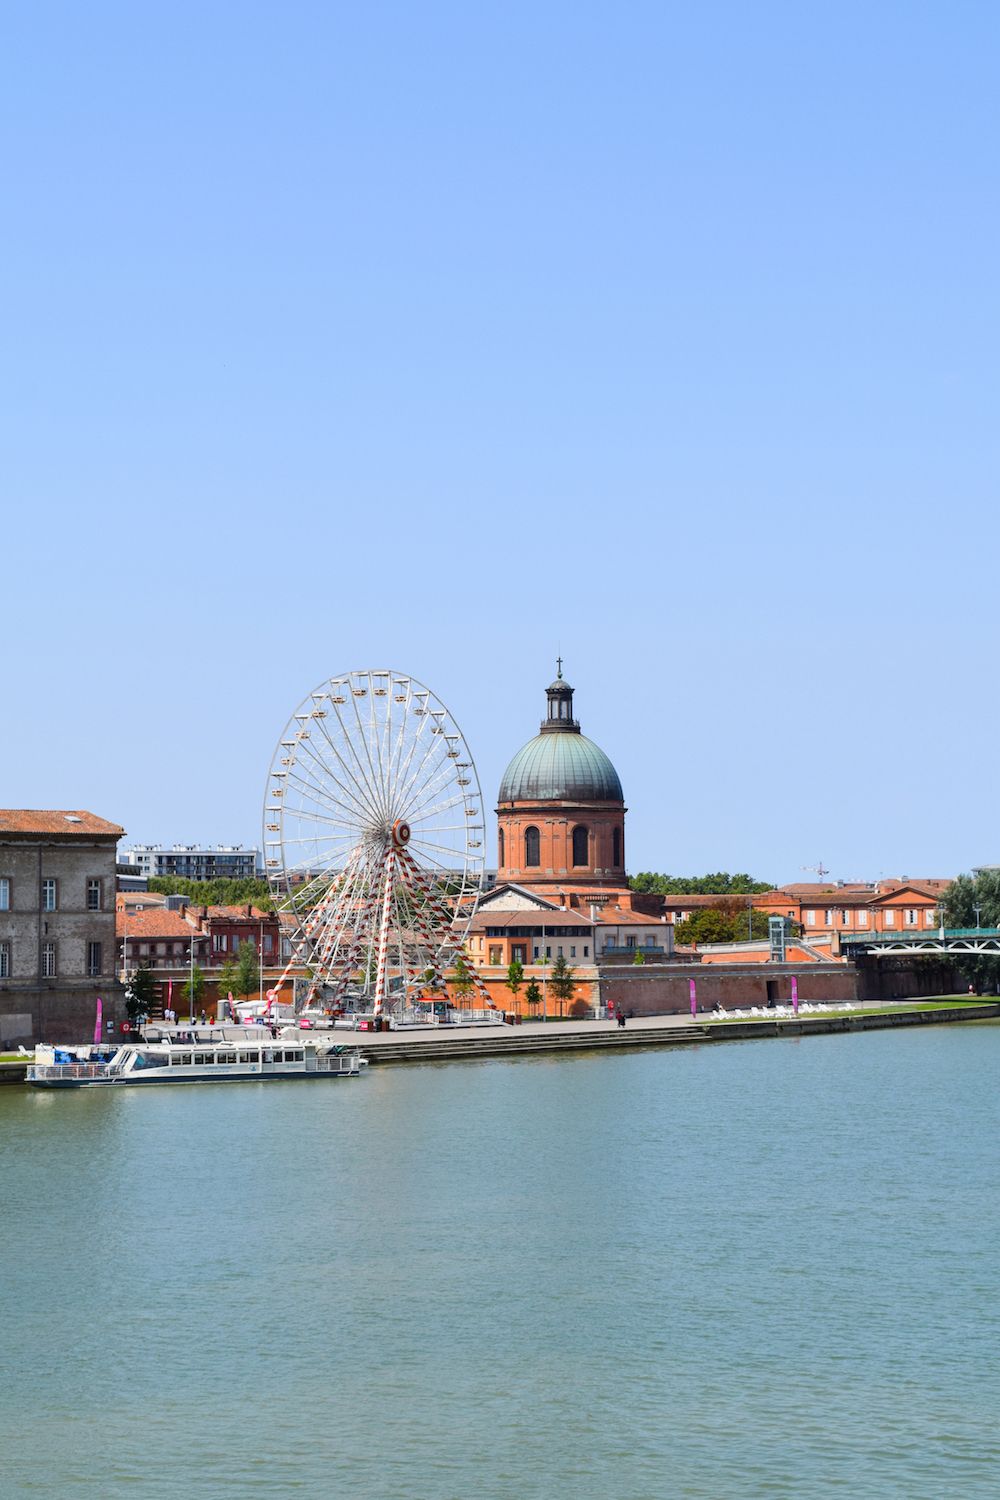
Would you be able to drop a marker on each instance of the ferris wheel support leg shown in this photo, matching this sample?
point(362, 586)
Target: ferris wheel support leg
point(383, 934)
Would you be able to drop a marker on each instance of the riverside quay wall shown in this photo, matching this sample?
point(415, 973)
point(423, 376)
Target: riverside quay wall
point(663, 989)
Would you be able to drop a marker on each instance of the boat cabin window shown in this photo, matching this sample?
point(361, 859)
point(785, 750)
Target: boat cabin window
point(204, 1057)
point(248, 1057)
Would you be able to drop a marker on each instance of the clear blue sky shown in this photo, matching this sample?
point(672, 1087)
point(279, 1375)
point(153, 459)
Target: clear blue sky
point(444, 337)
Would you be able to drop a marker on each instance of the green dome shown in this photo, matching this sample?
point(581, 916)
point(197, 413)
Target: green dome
point(563, 768)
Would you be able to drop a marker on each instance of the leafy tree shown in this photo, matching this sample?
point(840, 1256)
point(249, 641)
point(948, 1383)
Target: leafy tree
point(720, 884)
point(515, 976)
point(562, 979)
point(193, 990)
point(640, 957)
point(140, 995)
point(247, 970)
point(974, 901)
point(226, 978)
point(461, 980)
point(714, 924)
point(215, 892)
point(533, 995)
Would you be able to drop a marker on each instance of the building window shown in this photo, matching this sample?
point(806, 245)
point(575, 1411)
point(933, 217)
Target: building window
point(928, 918)
point(630, 940)
point(536, 950)
point(843, 919)
point(910, 920)
point(548, 953)
point(889, 919)
point(4, 960)
point(48, 960)
point(862, 919)
point(586, 950)
point(219, 942)
point(519, 953)
point(828, 916)
point(559, 952)
point(93, 960)
point(286, 947)
point(496, 956)
point(572, 950)
point(268, 942)
point(93, 895)
point(810, 919)
point(49, 894)
point(532, 848)
point(581, 840)
point(616, 848)
point(4, 893)
point(500, 844)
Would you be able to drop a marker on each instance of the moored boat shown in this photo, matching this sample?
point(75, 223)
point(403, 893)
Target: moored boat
point(200, 1055)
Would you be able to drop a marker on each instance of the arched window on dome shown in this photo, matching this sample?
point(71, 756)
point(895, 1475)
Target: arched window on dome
point(532, 848)
point(581, 841)
point(616, 848)
point(500, 843)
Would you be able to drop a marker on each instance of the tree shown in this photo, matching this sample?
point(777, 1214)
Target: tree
point(247, 970)
point(193, 989)
point(714, 924)
point(533, 995)
point(140, 994)
point(515, 976)
point(974, 901)
point(639, 957)
point(562, 980)
point(720, 884)
point(226, 978)
point(461, 980)
point(220, 892)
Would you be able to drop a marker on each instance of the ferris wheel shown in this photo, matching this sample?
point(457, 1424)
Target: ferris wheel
point(374, 838)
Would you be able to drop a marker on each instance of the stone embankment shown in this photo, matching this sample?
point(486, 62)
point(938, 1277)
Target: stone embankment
point(447, 1044)
point(443, 1044)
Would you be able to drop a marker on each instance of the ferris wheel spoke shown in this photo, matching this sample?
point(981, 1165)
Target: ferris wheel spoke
point(420, 816)
point(356, 805)
point(376, 783)
point(361, 793)
point(436, 781)
point(402, 769)
point(322, 797)
point(417, 775)
point(363, 777)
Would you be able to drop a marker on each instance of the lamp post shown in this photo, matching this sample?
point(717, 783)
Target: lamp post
point(977, 910)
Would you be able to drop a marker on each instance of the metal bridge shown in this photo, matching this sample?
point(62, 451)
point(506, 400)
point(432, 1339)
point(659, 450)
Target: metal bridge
point(942, 940)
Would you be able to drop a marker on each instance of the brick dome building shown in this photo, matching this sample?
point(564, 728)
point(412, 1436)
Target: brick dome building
point(561, 809)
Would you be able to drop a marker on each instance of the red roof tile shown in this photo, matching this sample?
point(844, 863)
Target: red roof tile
point(70, 824)
point(152, 924)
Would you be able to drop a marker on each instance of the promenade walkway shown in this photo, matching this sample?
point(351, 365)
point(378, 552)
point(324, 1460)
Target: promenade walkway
point(438, 1044)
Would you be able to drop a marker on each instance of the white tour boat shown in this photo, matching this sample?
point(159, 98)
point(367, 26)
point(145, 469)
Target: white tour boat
point(205, 1054)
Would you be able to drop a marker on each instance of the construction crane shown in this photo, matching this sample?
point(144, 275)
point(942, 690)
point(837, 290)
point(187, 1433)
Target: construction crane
point(819, 869)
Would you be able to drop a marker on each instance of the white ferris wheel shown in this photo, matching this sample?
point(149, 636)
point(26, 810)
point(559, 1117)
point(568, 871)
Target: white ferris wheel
point(374, 838)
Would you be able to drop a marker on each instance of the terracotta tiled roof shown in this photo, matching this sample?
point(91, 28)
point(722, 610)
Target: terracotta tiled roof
point(69, 824)
point(152, 924)
point(238, 914)
point(550, 920)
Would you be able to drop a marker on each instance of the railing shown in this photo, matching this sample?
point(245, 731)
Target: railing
point(69, 1071)
point(631, 952)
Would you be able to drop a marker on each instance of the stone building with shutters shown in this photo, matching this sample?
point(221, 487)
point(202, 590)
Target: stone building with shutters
point(57, 925)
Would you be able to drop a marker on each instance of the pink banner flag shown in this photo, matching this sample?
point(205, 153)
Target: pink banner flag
point(795, 995)
point(170, 993)
point(99, 1022)
point(694, 997)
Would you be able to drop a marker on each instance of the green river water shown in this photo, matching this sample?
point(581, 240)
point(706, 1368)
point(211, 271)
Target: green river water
point(760, 1269)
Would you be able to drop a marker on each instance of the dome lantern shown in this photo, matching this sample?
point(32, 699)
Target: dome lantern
point(559, 719)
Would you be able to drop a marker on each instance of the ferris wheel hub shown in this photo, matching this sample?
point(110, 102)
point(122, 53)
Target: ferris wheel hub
point(400, 833)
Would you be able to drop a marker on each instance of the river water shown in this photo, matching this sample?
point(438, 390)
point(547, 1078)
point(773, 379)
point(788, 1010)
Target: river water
point(757, 1269)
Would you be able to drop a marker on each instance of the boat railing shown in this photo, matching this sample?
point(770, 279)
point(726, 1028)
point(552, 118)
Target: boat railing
point(69, 1071)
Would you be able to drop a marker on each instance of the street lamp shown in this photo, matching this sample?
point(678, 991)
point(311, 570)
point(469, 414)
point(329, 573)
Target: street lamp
point(977, 910)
